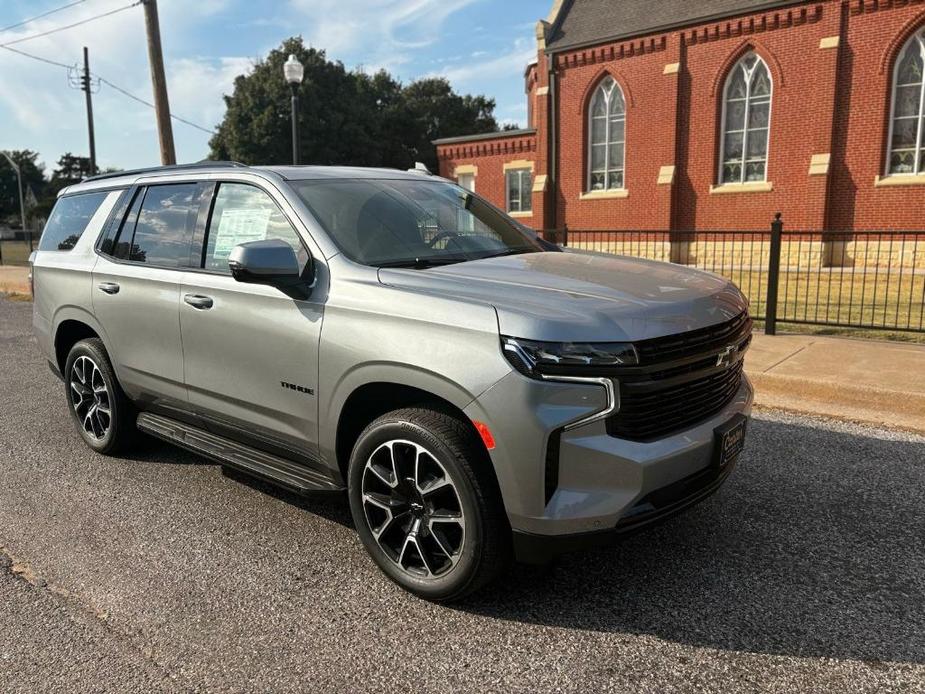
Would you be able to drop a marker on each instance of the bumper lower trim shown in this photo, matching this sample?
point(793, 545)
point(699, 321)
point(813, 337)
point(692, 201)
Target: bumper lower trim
point(531, 548)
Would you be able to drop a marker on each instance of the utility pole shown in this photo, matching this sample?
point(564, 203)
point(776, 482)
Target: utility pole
point(159, 82)
point(22, 207)
point(85, 85)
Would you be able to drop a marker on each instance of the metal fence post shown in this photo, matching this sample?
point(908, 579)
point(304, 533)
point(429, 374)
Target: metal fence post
point(565, 234)
point(770, 321)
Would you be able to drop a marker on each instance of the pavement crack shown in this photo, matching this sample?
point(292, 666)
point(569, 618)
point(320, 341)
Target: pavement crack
point(787, 358)
point(71, 602)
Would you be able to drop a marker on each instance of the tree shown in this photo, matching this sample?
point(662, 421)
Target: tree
point(33, 176)
point(71, 169)
point(434, 110)
point(345, 117)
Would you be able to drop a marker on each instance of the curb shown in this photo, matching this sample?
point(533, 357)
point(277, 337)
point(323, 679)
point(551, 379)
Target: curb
point(885, 408)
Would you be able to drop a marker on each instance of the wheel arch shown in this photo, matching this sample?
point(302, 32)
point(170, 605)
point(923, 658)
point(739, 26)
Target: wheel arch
point(360, 400)
point(71, 325)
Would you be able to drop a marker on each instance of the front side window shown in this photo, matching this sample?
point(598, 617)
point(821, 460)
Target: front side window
point(907, 135)
point(411, 223)
point(68, 220)
point(746, 122)
point(159, 225)
point(607, 128)
point(519, 190)
point(244, 213)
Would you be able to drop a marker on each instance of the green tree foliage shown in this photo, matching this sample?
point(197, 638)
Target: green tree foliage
point(33, 176)
point(70, 169)
point(345, 117)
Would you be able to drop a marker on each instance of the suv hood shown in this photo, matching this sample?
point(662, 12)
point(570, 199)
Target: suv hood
point(572, 297)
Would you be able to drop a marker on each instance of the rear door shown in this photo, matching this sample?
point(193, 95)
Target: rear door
point(250, 351)
point(136, 291)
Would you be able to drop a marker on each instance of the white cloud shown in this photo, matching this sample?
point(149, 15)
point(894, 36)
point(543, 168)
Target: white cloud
point(39, 110)
point(508, 65)
point(380, 33)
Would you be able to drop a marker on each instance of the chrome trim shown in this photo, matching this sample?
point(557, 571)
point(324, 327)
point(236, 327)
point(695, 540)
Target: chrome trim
point(612, 404)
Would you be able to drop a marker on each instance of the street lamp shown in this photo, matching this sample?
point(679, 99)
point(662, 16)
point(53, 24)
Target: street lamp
point(294, 71)
point(22, 208)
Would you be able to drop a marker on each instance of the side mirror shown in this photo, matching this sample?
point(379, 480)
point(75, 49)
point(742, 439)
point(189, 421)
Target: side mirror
point(271, 262)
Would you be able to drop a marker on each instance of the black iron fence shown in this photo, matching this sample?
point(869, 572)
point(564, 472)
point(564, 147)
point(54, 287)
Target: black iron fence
point(862, 279)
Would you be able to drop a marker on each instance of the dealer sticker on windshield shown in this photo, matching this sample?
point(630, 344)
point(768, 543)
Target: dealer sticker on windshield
point(730, 440)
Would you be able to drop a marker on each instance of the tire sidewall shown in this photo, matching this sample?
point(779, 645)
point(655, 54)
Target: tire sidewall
point(86, 348)
point(458, 579)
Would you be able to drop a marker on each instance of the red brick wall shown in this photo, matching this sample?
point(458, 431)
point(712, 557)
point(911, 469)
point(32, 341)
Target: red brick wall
point(489, 156)
point(862, 123)
point(827, 100)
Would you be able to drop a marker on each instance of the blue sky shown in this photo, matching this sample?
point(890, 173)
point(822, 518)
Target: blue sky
point(480, 45)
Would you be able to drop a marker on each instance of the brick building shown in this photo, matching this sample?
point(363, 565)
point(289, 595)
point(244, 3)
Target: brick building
point(671, 114)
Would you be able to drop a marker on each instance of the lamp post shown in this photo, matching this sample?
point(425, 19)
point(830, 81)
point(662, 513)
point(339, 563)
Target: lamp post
point(294, 71)
point(22, 207)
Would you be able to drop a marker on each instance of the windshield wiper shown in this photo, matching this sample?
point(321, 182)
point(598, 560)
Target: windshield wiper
point(509, 251)
point(420, 263)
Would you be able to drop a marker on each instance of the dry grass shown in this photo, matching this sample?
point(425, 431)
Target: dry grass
point(15, 252)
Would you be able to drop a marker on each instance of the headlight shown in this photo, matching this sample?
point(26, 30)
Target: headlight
point(538, 359)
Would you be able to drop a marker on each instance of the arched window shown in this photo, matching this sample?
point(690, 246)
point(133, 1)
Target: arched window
point(607, 129)
point(907, 125)
point(746, 122)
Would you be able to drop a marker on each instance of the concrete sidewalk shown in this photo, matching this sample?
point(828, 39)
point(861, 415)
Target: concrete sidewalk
point(867, 381)
point(14, 279)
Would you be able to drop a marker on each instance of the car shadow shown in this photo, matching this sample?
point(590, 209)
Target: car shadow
point(815, 547)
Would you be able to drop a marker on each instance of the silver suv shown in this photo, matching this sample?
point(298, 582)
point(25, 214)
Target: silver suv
point(480, 394)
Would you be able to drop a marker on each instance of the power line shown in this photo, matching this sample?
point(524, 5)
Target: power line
point(39, 16)
point(71, 26)
point(119, 89)
point(150, 105)
point(37, 57)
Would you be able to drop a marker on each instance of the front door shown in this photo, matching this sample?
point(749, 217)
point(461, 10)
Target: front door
point(250, 351)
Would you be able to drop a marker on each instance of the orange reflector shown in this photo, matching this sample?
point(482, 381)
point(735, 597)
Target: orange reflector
point(485, 433)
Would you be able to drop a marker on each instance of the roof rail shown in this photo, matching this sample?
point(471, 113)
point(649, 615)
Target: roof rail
point(205, 164)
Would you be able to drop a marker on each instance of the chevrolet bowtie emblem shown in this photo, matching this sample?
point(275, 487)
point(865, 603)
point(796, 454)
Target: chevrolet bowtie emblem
point(724, 358)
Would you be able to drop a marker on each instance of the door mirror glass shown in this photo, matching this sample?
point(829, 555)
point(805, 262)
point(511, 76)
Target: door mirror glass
point(272, 262)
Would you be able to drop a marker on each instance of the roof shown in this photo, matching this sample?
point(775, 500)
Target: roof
point(118, 179)
point(587, 22)
point(485, 136)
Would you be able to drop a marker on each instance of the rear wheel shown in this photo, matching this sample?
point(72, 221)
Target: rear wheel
point(103, 415)
point(426, 505)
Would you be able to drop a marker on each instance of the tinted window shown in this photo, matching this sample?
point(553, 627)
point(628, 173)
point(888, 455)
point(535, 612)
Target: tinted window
point(164, 226)
point(68, 221)
point(411, 222)
point(244, 213)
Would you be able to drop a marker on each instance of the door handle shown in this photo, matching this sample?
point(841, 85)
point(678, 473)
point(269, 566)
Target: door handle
point(109, 287)
point(198, 301)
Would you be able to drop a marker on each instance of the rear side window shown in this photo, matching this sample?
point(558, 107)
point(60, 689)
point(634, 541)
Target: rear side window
point(159, 225)
point(68, 221)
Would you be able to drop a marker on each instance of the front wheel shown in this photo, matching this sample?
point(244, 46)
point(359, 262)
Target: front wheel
point(426, 504)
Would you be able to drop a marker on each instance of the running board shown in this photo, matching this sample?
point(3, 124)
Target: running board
point(286, 473)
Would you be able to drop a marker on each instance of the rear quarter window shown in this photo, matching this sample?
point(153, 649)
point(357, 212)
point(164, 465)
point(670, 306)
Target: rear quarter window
point(69, 220)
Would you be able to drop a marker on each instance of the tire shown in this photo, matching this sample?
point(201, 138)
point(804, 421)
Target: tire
point(449, 558)
point(103, 415)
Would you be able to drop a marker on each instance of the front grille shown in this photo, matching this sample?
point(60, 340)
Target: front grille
point(678, 382)
point(694, 342)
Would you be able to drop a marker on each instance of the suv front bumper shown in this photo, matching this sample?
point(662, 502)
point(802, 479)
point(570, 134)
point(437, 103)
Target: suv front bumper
point(604, 487)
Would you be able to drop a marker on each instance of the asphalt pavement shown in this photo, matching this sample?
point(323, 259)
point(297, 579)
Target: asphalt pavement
point(157, 572)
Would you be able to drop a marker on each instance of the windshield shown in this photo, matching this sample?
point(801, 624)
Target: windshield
point(406, 223)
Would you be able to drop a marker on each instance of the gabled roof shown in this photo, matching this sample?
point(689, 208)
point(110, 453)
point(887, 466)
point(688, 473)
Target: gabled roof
point(587, 22)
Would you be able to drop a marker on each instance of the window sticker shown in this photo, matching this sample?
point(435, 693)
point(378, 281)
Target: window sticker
point(240, 226)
